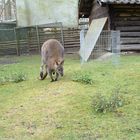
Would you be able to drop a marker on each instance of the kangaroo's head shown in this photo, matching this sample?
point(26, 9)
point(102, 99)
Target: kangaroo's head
point(59, 66)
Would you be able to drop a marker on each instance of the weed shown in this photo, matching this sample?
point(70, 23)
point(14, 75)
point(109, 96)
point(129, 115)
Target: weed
point(18, 77)
point(115, 101)
point(103, 104)
point(4, 80)
point(1, 81)
point(82, 77)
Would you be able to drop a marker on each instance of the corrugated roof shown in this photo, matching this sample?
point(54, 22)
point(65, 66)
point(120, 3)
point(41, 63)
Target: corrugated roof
point(120, 1)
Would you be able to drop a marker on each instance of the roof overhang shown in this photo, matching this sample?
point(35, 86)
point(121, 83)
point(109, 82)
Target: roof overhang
point(118, 1)
point(85, 7)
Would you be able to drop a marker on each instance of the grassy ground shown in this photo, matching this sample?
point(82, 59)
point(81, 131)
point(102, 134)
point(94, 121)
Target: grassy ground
point(62, 110)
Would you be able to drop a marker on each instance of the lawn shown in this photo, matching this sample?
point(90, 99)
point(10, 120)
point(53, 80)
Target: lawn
point(65, 110)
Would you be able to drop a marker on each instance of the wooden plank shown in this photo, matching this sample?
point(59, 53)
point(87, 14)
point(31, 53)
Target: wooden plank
point(72, 50)
point(129, 28)
point(13, 41)
point(72, 46)
point(130, 41)
point(71, 39)
point(5, 44)
point(71, 43)
point(127, 23)
point(127, 18)
point(127, 14)
point(134, 47)
point(128, 11)
point(126, 6)
point(130, 34)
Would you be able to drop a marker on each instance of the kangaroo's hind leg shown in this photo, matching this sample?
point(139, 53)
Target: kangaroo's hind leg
point(43, 76)
point(57, 75)
point(51, 73)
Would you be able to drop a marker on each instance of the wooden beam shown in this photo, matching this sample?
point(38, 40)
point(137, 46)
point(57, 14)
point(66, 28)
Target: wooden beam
point(130, 40)
point(134, 47)
point(130, 34)
point(129, 28)
point(127, 23)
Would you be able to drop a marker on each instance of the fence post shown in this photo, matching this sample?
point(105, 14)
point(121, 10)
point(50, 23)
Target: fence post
point(62, 35)
point(118, 42)
point(38, 39)
point(115, 46)
point(17, 41)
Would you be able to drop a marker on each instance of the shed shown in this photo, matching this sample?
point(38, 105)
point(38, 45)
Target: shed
point(123, 15)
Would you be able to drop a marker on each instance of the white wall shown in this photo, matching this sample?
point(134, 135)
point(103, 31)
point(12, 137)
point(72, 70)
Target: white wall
point(36, 12)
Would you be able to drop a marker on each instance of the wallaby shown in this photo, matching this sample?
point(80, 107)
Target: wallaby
point(52, 53)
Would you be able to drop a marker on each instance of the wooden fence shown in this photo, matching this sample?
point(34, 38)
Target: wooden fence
point(29, 40)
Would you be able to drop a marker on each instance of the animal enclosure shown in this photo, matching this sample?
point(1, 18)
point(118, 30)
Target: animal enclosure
point(108, 41)
point(123, 15)
point(28, 40)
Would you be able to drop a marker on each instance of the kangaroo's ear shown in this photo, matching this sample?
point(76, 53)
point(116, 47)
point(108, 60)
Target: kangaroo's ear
point(62, 62)
point(55, 65)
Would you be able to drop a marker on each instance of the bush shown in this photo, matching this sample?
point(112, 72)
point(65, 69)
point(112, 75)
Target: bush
point(3, 80)
point(103, 104)
point(18, 77)
point(82, 77)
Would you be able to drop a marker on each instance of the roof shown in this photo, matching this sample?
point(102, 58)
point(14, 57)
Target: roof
point(119, 1)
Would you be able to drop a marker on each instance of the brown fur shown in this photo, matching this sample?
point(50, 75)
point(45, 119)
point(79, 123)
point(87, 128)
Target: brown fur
point(52, 53)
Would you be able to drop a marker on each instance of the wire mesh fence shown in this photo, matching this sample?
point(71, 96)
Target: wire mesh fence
point(28, 40)
point(8, 45)
point(108, 41)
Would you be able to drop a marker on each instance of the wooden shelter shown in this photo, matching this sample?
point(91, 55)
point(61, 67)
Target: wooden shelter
point(123, 15)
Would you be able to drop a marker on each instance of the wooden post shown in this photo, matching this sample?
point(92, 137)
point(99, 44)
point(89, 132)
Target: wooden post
point(118, 42)
point(62, 35)
point(38, 39)
point(17, 41)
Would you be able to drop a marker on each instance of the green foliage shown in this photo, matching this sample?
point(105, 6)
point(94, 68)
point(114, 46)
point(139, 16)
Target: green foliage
point(4, 80)
point(42, 110)
point(16, 78)
point(82, 77)
point(103, 104)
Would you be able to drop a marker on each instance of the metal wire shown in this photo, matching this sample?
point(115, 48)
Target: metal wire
point(108, 41)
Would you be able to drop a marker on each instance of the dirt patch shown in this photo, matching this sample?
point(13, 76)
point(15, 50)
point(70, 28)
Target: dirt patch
point(131, 53)
point(7, 60)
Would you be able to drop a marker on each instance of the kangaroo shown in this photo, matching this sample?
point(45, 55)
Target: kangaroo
point(52, 58)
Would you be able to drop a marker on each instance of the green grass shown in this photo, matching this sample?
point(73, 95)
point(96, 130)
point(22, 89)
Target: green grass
point(63, 110)
point(82, 77)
